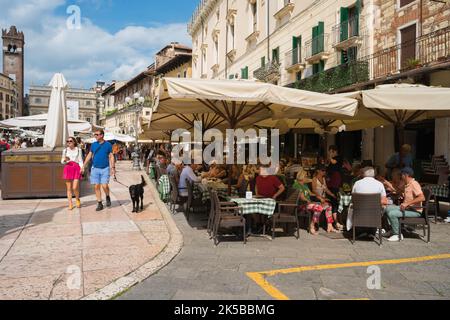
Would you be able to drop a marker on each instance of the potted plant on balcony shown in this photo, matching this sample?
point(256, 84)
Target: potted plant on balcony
point(412, 63)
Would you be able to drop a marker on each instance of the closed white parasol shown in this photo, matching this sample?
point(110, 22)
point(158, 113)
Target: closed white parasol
point(56, 131)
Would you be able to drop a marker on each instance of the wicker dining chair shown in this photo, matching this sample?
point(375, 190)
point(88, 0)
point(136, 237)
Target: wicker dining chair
point(367, 212)
point(227, 215)
point(193, 203)
point(423, 220)
point(288, 212)
point(175, 197)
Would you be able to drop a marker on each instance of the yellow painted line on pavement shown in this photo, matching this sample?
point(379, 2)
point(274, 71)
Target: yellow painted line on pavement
point(264, 284)
point(261, 277)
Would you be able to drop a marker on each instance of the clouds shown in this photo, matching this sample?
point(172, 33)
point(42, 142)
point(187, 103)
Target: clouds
point(87, 54)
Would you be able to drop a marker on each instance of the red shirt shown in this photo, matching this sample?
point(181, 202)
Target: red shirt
point(267, 186)
point(5, 143)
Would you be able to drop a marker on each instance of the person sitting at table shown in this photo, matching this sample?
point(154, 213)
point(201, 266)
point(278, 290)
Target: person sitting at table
point(174, 169)
point(187, 173)
point(369, 185)
point(325, 196)
point(394, 188)
point(268, 186)
point(235, 176)
point(316, 208)
point(292, 168)
point(249, 173)
point(215, 172)
point(410, 208)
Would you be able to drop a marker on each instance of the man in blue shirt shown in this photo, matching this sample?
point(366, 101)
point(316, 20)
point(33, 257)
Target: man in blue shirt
point(400, 160)
point(103, 167)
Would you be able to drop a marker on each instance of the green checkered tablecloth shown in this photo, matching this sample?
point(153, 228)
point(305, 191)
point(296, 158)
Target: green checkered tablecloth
point(164, 187)
point(200, 190)
point(344, 201)
point(152, 171)
point(256, 206)
point(439, 190)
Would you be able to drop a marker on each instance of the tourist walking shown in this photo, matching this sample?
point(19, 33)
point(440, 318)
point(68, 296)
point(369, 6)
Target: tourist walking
point(72, 158)
point(103, 167)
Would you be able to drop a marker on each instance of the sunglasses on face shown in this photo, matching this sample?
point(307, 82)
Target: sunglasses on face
point(69, 141)
point(97, 135)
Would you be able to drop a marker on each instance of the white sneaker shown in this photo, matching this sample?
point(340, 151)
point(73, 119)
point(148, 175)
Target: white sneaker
point(395, 238)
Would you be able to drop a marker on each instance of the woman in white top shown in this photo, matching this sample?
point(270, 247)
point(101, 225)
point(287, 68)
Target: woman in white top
point(320, 189)
point(72, 158)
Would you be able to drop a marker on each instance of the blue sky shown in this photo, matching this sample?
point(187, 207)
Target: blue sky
point(114, 15)
point(117, 38)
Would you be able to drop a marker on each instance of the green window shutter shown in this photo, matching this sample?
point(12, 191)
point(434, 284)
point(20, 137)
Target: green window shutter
point(321, 65)
point(294, 50)
point(315, 68)
point(358, 12)
point(263, 62)
point(244, 73)
point(314, 40)
point(321, 31)
point(344, 24)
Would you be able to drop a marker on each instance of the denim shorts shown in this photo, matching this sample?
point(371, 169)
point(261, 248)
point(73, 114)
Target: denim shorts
point(100, 176)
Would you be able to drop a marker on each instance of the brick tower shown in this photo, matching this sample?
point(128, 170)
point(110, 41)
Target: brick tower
point(13, 60)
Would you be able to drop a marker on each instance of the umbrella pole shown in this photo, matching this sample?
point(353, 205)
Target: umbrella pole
point(400, 135)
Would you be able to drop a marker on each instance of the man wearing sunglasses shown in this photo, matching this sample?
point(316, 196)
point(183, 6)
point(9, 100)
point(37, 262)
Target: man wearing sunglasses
point(103, 167)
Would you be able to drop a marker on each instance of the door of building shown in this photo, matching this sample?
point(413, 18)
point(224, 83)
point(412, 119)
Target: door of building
point(408, 45)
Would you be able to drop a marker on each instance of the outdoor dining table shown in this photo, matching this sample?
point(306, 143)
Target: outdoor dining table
point(164, 187)
point(201, 191)
point(263, 206)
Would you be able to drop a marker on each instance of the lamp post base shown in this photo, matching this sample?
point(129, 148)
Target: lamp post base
point(136, 161)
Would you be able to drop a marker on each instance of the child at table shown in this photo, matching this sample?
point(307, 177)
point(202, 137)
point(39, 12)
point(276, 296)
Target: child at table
point(316, 208)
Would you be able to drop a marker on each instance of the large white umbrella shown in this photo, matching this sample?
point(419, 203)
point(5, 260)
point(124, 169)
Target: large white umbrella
point(110, 136)
point(56, 131)
point(243, 103)
point(40, 121)
point(402, 104)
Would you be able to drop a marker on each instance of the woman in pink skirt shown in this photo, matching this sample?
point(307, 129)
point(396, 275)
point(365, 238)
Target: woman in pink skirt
point(72, 158)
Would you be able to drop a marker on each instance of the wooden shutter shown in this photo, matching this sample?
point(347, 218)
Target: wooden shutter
point(321, 31)
point(315, 34)
point(408, 41)
point(344, 24)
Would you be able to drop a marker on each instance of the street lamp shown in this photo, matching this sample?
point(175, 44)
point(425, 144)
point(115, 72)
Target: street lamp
point(137, 108)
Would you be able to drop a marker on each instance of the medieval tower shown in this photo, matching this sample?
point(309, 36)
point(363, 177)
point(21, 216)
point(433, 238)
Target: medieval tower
point(13, 60)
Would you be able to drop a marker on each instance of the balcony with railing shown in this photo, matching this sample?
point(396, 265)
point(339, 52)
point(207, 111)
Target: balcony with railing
point(347, 33)
point(269, 73)
point(422, 55)
point(288, 7)
point(316, 49)
point(294, 60)
point(424, 51)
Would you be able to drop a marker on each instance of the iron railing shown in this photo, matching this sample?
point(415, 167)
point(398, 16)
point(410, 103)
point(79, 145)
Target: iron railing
point(423, 51)
point(316, 45)
point(346, 30)
point(293, 57)
point(270, 72)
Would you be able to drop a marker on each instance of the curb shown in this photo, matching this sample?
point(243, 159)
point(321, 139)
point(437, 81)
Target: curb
point(169, 252)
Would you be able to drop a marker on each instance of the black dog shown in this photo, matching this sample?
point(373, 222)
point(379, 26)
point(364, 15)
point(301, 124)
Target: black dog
point(137, 193)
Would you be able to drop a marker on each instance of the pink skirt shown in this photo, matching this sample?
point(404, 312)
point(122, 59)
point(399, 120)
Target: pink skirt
point(72, 171)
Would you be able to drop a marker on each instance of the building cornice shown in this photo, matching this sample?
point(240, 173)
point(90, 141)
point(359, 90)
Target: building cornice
point(200, 14)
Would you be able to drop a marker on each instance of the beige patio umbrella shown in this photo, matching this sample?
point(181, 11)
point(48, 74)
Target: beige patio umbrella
point(56, 130)
point(402, 104)
point(244, 103)
point(329, 125)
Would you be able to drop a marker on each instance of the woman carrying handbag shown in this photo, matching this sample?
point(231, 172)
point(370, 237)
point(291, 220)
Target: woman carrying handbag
point(72, 158)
